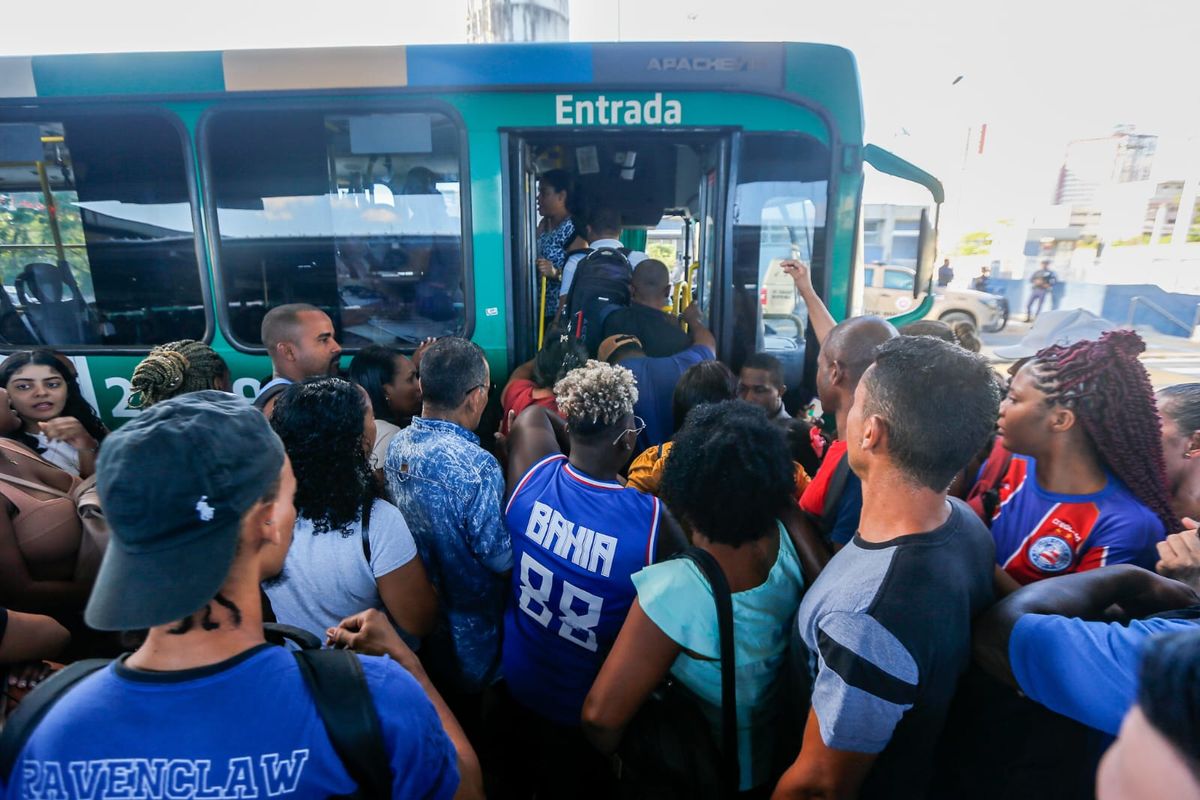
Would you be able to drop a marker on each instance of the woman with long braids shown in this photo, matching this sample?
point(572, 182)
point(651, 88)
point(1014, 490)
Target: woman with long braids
point(351, 550)
point(1087, 485)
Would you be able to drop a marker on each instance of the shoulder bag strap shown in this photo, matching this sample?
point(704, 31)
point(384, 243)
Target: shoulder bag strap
point(40, 487)
point(34, 708)
point(366, 525)
point(339, 688)
point(724, 600)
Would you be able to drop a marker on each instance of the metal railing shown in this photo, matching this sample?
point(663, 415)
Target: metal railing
point(1167, 315)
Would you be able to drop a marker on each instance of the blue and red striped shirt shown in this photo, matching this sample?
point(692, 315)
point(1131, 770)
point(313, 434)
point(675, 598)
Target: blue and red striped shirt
point(1040, 534)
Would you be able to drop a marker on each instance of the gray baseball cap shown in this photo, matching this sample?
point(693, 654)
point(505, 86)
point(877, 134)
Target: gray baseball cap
point(174, 484)
point(1063, 327)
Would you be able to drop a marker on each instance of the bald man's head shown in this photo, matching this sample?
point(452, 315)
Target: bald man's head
point(300, 341)
point(854, 342)
point(651, 284)
point(845, 355)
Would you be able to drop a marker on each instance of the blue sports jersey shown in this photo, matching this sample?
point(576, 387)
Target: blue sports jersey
point(1040, 534)
point(576, 542)
point(245, 727)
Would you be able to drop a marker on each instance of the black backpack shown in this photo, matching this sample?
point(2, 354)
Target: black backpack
point(334, 678)
point(600, 287)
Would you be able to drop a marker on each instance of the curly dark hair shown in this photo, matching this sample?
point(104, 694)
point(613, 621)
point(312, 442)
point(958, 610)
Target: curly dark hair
point(1109, 390)
point(75, 406)
point(729, 474)
point(320, 422)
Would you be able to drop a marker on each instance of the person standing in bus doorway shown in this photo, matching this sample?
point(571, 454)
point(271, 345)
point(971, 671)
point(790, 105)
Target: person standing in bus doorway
point(556, 233)
point(603, 230)
point(1043, 282)
point(649, 291)
point(945, 274)
point(300, 341)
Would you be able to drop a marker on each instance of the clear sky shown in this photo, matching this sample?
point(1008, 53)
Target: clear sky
point(1039, 72)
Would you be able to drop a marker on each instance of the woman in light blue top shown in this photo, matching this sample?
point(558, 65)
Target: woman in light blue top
point(728, 480)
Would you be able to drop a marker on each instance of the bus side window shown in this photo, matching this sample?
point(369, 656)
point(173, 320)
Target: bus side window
point(780, 202)
point(356, 213)
point(97, 243)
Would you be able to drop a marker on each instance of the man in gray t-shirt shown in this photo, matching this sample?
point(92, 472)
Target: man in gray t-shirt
point(887, 624)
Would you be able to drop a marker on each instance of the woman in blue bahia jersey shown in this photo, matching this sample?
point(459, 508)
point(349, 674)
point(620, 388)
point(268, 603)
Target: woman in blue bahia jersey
point(556, 233)
point(729, 479)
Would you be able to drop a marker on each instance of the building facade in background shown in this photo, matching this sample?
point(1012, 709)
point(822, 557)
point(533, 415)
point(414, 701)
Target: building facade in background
point(518, 20)
point(1093, 165)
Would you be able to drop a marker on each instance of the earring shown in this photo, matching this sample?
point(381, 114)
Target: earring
point(1187, 456)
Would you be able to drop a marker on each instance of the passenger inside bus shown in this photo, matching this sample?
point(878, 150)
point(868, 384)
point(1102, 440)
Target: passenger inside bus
point(664, 187)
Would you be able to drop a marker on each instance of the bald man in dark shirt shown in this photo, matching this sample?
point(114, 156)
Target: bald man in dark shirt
point(658, 331)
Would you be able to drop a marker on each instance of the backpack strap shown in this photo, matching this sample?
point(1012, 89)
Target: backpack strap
point(34, 708)
point(338, 686)
point(280, 635)
point(833, 492)
point(334, 678)
point(730, 770)
point(266, 395)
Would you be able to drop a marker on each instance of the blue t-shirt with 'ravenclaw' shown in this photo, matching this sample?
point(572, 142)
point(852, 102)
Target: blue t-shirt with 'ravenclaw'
point(245, 727)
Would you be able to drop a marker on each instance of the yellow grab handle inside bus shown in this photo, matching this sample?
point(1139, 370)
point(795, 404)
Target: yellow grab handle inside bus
point(542, 316)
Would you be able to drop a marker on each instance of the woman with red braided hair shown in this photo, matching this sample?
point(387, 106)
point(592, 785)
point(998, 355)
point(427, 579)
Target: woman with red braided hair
point(1087, 484)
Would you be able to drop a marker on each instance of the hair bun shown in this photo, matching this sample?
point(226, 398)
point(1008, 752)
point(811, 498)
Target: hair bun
point(160, 373)
point(1124, 343)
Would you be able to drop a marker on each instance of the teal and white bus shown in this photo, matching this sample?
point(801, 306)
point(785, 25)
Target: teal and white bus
point(146, 198)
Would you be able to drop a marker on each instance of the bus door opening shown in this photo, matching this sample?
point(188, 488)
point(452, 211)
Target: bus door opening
point(668, 189)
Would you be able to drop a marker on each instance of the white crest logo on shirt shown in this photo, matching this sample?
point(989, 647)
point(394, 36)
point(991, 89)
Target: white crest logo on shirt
point(1051, 554)
point(204, 510)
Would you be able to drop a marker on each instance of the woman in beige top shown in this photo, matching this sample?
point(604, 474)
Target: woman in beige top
point(40, 530)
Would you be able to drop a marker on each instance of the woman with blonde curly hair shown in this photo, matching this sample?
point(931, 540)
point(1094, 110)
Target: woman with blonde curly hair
point(578, 536)
point(178, 368)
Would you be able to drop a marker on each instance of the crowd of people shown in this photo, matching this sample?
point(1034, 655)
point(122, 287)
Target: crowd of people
point(649, 580)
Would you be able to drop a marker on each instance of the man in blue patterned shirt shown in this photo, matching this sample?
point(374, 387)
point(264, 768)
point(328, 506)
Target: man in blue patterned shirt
point(450, 491)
